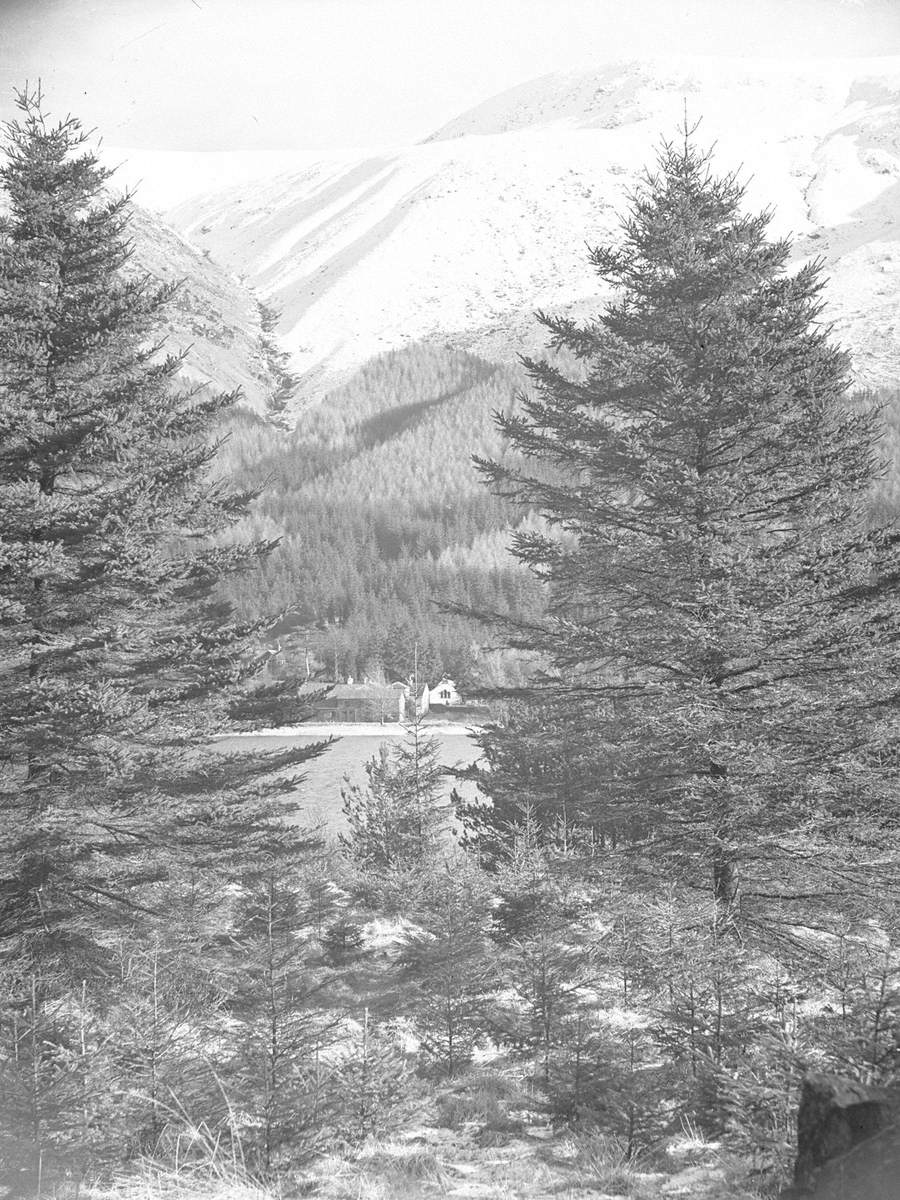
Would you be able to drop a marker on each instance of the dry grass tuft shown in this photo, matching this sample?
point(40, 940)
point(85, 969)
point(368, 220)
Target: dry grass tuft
point(599, 1163)
point(380, 1170)
point(401, 1162)
point(475, 1154)
point(489, 1099)
point(198, 1165)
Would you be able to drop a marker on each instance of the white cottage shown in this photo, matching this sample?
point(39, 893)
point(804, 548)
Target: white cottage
point(442, 695)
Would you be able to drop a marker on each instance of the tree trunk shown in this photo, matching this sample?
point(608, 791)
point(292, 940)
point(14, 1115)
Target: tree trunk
point(725, 885)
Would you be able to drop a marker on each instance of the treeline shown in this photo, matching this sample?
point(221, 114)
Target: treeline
point(383, 520)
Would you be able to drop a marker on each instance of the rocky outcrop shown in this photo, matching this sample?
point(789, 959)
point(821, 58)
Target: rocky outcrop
point(848, 1141)
point(871, 1171)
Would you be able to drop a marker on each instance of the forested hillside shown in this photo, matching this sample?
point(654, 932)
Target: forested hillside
point(383, 519)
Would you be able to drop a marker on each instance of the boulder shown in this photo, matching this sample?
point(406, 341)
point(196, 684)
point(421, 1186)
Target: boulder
point(870, 1171)
point(848, 1139)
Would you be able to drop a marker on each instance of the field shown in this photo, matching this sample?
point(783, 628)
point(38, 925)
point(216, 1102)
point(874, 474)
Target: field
point(346, 759)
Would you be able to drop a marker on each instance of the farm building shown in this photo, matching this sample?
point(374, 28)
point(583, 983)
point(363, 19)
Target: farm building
point(355, 702)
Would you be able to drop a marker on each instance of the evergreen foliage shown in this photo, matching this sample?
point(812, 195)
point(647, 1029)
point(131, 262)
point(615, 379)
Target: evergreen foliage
point(540, 773)
point(541, 920)
point(119, 662)
point(285, 1031)
point(394, 821)
point(382, 521)
point(445, 963)
point(672, 912)
point(721, 618)
point(373, 1082)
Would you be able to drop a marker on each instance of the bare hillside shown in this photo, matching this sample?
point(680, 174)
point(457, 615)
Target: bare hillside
point(463, 236)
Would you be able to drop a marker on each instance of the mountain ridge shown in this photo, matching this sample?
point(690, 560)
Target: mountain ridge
point(600, 97)
point(463, 236)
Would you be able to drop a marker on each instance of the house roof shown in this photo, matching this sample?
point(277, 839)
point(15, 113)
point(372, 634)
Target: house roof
point(362, 691)
point(352, 691)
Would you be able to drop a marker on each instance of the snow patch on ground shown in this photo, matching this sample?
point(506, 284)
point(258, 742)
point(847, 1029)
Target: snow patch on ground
point(387, 933)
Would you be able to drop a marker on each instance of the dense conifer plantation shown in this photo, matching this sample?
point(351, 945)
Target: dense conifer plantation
point(721, 626)
point(382, 519)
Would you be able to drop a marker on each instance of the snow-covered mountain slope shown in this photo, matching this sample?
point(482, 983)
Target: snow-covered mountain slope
point(213, 318)
point(464, 236)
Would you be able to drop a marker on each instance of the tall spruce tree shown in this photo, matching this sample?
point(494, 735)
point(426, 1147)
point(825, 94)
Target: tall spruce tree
point(118, 661)
point(719, 620)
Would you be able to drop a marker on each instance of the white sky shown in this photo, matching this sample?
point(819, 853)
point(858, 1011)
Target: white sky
point(309, 74)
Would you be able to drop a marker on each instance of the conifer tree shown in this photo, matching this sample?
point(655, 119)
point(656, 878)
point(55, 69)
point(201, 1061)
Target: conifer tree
point(394, 820)
point(118, 663)
point(546, 949)
point(539, 773)
point(39, 1087)
point(372, 1084)
point(446, 961)
point(160, 1010)
point(283, 1024)
point(720, 617)
point(118, 660)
